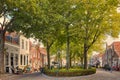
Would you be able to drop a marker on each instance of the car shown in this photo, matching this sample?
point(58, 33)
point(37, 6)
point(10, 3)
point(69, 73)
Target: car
point(107, 67)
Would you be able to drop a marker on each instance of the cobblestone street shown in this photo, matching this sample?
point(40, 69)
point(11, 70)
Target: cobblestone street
point(9, 77)
point(100, 75)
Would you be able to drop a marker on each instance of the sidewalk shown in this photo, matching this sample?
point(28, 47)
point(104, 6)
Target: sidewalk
point(8, 76)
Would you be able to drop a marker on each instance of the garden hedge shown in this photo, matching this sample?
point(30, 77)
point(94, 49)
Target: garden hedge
point(70, 72)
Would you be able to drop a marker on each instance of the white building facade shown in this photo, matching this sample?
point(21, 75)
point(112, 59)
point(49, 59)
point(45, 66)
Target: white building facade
point(24, 52)
point(16, 52)
point(12, 51)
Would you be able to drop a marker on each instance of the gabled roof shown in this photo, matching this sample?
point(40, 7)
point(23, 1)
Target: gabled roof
point(33, 49)
point(116, 46)
point(43, 51)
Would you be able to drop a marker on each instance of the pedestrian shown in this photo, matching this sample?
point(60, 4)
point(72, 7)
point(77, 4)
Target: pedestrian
point(107, 67)
point(41, 70)
point(97, 63)
point(111, 69)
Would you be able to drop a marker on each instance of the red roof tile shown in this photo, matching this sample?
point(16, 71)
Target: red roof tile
point(43, 51)
point(40, 50)
point(117, 47)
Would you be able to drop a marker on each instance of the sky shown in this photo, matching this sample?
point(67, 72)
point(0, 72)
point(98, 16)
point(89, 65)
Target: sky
point(1, 20)
point(36, 42)
point(110, 39)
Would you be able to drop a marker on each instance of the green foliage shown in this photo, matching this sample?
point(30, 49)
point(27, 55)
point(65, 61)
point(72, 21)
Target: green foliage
point(70, 72)
point(93, 23)
point(84, 22)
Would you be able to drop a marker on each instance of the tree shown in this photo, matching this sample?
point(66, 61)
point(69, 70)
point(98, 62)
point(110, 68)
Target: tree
point(16, 15)
point(4, 25)
point(94, 22)
point(47, 30)
point(59, 48)
point(67, 13)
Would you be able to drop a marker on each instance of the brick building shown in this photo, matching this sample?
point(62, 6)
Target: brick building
point(38, 57)
point(112, 54)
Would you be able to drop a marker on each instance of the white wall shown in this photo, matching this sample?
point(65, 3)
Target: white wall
point(11, 49)
point(24, 51)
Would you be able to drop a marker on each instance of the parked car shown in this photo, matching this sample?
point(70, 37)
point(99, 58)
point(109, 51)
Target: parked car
point(116, 68)
point(107, 67)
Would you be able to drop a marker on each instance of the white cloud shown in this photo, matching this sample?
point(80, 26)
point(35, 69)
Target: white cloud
point(110, 39)
point(2, 19)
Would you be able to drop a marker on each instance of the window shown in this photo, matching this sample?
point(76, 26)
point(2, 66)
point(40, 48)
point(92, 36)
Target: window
point(12, 59)
point(21, 59)
point(38, 55)
point(24, 60)
point(16, 59)
point(7, 59)
point(26, 45)
point(27, 59)
point(34, 54)
point(22, 44)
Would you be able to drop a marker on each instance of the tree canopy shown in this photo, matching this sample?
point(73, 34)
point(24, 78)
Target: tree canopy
point(77, 23)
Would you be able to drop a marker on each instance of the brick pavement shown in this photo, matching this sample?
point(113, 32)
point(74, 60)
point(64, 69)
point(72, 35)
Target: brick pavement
point(8, 77)
point(100, 75)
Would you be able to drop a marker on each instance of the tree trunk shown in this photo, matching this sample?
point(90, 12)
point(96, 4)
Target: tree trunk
point(60, 60)
point(81, 60)
point(2, 52)
point(74, 61)
point(70, 61)
point(85, 56)
point(48, 55)
point(61, 63)
point(67, 49)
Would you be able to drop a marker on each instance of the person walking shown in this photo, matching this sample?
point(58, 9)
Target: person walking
point(41, 70)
